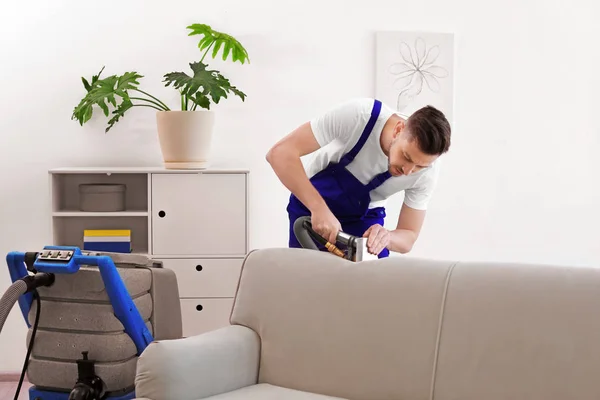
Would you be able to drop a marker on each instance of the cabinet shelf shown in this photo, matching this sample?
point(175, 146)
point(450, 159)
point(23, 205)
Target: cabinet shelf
point(69, 231)
point(66, 196)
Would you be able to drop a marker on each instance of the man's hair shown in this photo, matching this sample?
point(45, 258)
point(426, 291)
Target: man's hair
point(430, 128)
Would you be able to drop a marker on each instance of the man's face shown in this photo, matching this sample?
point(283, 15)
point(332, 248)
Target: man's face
point(405, 156)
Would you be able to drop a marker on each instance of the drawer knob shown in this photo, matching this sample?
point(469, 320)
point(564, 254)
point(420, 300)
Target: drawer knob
point(161, 214)
point(199, 307)
point(198, 267)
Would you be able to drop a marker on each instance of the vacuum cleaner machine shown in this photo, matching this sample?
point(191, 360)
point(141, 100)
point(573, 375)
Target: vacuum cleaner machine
point(89, 315)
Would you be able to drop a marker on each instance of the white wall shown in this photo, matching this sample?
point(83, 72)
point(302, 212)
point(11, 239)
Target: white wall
point(521, 182)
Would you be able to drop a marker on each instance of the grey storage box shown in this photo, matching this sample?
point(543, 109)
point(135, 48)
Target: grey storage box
point(102, 197)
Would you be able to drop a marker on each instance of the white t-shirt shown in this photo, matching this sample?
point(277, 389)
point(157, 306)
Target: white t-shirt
point(339, 129)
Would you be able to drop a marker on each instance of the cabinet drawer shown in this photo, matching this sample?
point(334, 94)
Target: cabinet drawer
point(203, 315)
point(199, 214)
point(206, 277)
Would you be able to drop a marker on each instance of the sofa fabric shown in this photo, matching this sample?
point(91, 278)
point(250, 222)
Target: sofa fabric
point(200, 366)
point(335, 327)
point(264, 391)
point(309, 325)
point(523, 332)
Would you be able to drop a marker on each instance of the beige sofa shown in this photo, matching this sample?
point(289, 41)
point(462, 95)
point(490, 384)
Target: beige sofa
point(309, 325)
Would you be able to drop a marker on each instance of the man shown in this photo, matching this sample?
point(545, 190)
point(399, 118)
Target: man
point(367, 152)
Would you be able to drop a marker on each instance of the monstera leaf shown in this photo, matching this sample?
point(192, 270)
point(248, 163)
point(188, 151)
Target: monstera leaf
point(84, 111)
point(218, 39)
point(201, 85)
point(119, 112)
point(104, 92)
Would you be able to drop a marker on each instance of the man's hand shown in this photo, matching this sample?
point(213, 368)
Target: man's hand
point(325, 223)
point(401, 239)
point(378, 238)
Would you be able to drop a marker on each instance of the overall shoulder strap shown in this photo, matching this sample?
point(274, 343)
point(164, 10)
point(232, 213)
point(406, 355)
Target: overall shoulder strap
point(349, 157)
point(378, 180)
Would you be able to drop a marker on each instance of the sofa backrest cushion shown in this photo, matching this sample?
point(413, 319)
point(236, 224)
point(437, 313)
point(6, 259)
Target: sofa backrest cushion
point(522, 332)
point(353, 330)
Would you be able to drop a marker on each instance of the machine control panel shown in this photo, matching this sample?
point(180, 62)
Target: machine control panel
point(56, 255)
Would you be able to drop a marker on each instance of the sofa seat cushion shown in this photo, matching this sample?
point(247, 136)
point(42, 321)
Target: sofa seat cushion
point(265, 391)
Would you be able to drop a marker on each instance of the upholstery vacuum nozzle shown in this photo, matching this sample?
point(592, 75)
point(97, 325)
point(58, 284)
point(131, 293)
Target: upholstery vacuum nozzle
point(307, 237)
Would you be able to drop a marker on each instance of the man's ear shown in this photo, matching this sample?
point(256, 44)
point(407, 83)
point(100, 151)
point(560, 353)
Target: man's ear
point(399, 128)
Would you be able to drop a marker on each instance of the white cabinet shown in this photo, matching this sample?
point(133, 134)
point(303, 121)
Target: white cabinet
point(204, 314)
point(194, 221)
point(199, 214)
point(209, 277)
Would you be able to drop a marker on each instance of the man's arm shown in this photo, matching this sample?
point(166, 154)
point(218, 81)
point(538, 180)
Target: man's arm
point(336, 124)
point(412, 214)
point(410, 222)
point(284, 158)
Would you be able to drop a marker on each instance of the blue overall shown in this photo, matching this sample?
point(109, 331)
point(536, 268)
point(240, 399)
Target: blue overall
point(346, 196)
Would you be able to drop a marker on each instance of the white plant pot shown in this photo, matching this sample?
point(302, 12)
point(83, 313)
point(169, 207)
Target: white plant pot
point(185, 138)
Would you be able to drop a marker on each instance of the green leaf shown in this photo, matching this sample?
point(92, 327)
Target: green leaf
point(84, 111)
point(202, 100)
point(119, 112)
point(104, 92)
point(87, 86)
point(212, 37)
point(238, 93)
point(218, 45)
point(226, 50)
point(202, 84)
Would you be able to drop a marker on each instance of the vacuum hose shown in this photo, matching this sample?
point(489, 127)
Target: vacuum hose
point(10, 297)
point(20, 287)
point(306, 237)
point(301, 229)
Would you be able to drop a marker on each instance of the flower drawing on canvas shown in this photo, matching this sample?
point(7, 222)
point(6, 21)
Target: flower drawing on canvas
point(418, 67)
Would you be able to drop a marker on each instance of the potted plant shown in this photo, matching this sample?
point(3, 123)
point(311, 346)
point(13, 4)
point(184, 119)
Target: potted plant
point(185, 135)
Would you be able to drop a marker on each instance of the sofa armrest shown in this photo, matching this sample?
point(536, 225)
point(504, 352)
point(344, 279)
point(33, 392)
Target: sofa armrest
point(199, 366)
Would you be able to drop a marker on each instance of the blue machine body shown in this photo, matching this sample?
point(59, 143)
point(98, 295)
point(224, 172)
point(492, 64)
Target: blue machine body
point(36, 394)
point(67, 260)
